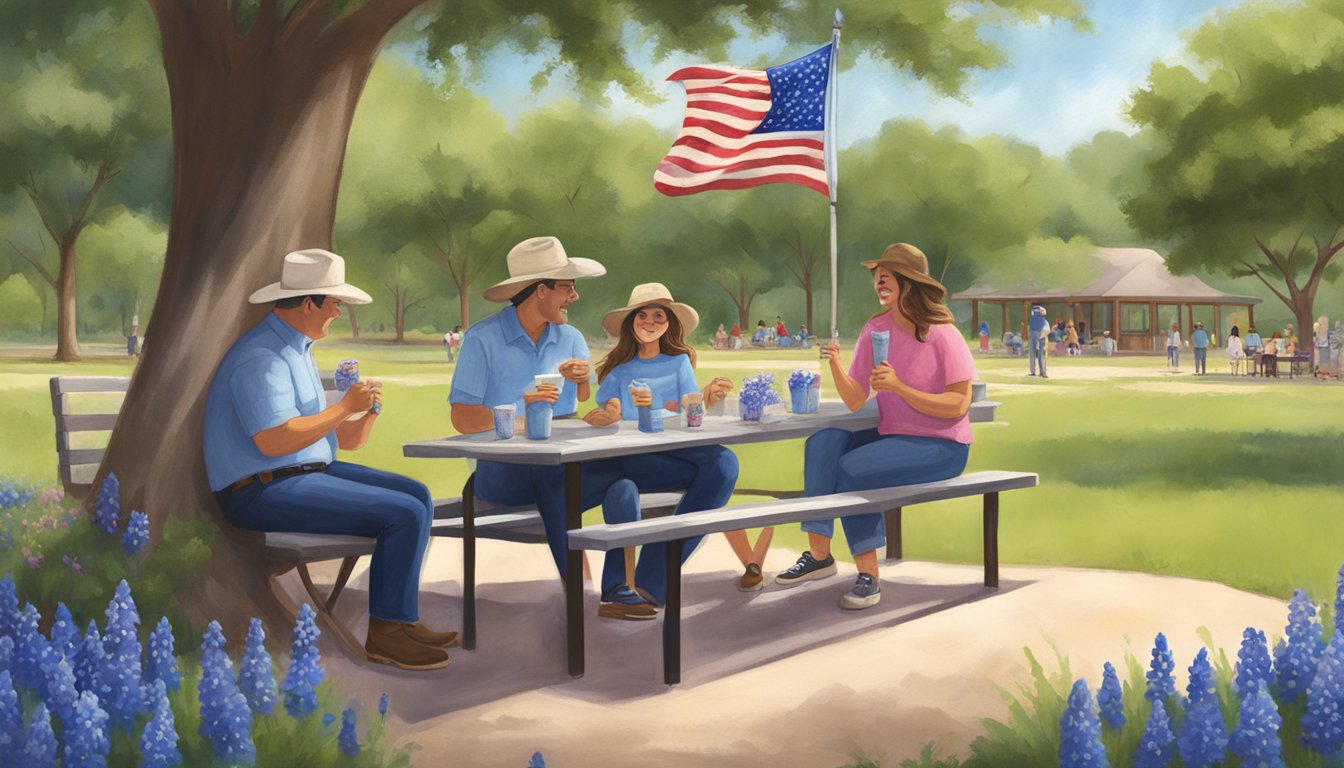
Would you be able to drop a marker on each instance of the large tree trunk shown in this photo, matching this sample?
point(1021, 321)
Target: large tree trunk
point(463, 307)
point(260, 123)
point(67, 334)
point(354, 322)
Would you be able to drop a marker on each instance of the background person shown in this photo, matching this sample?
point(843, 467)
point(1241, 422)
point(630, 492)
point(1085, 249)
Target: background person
point(923, 391)
point(1199, 342)
point(1236, 351)
point(1038, 334)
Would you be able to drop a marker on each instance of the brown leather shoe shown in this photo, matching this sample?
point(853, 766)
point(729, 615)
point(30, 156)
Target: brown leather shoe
point(752, 580)
point(423, 634)
point(389, 642)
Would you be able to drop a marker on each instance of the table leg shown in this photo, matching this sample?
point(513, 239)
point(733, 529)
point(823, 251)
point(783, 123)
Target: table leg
point(672, 616)
point(992, 539)
point(895, 543)
point(574, 571)
point(469, 563)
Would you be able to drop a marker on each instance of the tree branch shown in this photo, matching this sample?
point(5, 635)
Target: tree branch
point(30, 188)
point(104, 175)
point(41, 270)
point(370, 24)
point(1252, 270)
point(301, 14)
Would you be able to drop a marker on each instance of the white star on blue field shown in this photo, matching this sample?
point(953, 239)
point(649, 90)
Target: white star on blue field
point(798, 94)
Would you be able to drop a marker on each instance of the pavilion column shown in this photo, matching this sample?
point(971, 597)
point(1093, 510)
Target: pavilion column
point(1026, 315)
point(1250, 315)
point(1152, 325)
point(975, 317)
point(1115, 320)
point(1218, 321)
point(1003, 327)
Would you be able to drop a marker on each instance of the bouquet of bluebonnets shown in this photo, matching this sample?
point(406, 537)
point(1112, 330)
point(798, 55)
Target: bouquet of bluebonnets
point(757, 392)
point(801, 379)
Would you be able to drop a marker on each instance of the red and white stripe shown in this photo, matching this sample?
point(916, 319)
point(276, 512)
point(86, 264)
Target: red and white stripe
point(716, 149)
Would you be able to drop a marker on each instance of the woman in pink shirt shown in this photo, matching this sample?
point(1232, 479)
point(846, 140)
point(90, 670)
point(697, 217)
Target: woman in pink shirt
point(923, 387)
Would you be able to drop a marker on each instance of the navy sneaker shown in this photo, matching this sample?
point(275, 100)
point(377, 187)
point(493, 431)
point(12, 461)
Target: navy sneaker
point(622, 602)
point(865, 594)
point(806, 569)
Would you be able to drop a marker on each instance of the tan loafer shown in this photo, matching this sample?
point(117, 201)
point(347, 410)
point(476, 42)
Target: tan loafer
point(753, 580)
point(388, 642)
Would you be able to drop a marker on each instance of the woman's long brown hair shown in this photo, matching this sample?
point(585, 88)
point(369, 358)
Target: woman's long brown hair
point(921, 303)
point(671, 343)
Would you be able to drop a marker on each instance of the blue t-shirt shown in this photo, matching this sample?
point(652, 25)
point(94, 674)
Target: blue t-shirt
point(1253, 340)
point(1199, 339)
point(265, 379)
point(498, 360)
point(669, 377)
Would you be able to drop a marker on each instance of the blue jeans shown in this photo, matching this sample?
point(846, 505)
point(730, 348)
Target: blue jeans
point(351, 500)
point(518, 484)
point(1201, 359)
point(836, 460)
point(708, 473)
point(1037, 353)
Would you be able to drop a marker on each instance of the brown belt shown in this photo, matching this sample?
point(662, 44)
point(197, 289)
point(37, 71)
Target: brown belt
point(276, 474)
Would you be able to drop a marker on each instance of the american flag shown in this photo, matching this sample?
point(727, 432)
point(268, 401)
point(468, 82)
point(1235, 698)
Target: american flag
point(744, 128)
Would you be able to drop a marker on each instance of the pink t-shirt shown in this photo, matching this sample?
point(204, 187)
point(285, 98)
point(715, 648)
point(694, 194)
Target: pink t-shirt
point(929, 366)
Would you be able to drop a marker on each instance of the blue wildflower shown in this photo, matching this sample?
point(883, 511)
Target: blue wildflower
point(39, 750)
point(1202, 740)
point(801, 379)
point(11, 715)
point(64, 633)
point(348, 740)
point(161, 657)
point(6, 653)
point(89, 660)
point(1080, 731)
point(31, 649)
point(158, 742)
point(382, 705)
point(305, 667)
point(120, 683)
point(256, 674)
point(1157, 747)
point(59, 691)
point(12, 495)
point(1161, 685)
point(226, 720)
point(1339, 599)
point(1295, 661)
point(1256, 738)
point(1253, 664)
point(1110, 698)
point(327, 719)
point(537, 761)
point(1323, 723)
point(86, 739)
point(135, 538)
point(9, 606)
point(107, 509)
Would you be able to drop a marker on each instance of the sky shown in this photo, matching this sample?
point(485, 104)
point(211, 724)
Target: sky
point(1059, 88)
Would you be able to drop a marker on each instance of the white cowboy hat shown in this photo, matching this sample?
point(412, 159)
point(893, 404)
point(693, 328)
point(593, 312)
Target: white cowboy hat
point(643, 295)
point(540, 258)
point(311, 271)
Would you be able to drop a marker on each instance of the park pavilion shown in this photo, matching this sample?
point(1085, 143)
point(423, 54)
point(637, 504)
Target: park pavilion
point(1134, 291)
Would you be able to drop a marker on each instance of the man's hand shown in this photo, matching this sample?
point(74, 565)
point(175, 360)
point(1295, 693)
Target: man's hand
point(575, 370)
point(361, 396)
point(546, 393)
point(716, 390)
point(884, 379)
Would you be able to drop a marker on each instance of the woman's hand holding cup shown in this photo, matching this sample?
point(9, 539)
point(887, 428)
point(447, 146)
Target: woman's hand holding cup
point(641, 398)
point(546, 393)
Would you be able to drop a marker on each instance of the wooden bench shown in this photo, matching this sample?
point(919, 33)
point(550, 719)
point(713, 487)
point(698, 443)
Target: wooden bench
point(675, 530)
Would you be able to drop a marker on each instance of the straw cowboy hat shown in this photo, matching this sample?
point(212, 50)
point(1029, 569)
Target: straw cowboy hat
point(540, 258)
point(643, 295)
point(907, 261)
point(311, 271)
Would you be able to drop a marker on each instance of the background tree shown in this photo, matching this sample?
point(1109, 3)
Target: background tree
point(1252, 139)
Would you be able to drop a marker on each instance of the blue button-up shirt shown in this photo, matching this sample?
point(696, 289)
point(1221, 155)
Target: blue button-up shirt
point(267, 378)
point(498, 361)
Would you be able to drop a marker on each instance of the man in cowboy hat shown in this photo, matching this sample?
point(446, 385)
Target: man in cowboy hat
point(270, 454)
point(1038, 332)
point(499, 358)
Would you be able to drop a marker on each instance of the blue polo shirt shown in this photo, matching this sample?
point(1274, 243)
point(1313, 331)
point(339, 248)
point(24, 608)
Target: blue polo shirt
point(498, 360)
point(1199, 339)
point(265, 379)
point(669, 377)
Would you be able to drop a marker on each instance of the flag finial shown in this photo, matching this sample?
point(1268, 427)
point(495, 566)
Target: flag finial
point(839, 19)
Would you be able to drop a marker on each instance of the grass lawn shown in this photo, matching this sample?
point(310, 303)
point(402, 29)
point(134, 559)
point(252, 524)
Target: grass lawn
point(1208, 477)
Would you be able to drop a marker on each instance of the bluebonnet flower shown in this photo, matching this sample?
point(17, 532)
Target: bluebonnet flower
point(1323, 724)
point(158, 742)
point(537, 761)
point(64, 633)
point(11, 715)
point(1202, 740)
point(757, 392)
point(135, 538)
point(305, 667)
point(256, 675)
point(161, 657)
point(1080, 731)
point(60, 692)
point(382, 705)
point(1339, 599)
point(327, 719)
point(39, 750)
point(9, 606)
point(1295, 661)
point(1256, 738)
point(89, 659)
point(1253, 664)
point(6, 653)
point(12, 495)
point(1161, 685)
point(801, 379)
point(348, 740)
point(1157, 747)
point(120, 684)
point(1110, 698)
point(226, 720)
point(86, 739)
point(31, 649)
point(107, 509)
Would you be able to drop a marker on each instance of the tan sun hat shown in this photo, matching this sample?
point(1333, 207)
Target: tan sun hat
point(540, 258)
point(643, 295)
point(907, 261)
point(311, 271)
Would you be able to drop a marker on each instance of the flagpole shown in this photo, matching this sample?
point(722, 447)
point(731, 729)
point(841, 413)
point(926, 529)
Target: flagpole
point(832, 99)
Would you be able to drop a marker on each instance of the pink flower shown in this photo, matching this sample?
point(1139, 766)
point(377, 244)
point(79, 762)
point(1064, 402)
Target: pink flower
point(33, 561)
point(77, 568)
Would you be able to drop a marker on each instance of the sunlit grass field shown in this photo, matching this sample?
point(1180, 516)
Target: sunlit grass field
point(1210, 477)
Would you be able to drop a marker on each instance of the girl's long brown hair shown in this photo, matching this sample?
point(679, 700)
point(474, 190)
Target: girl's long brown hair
point(671, 343)
point(921, 303)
